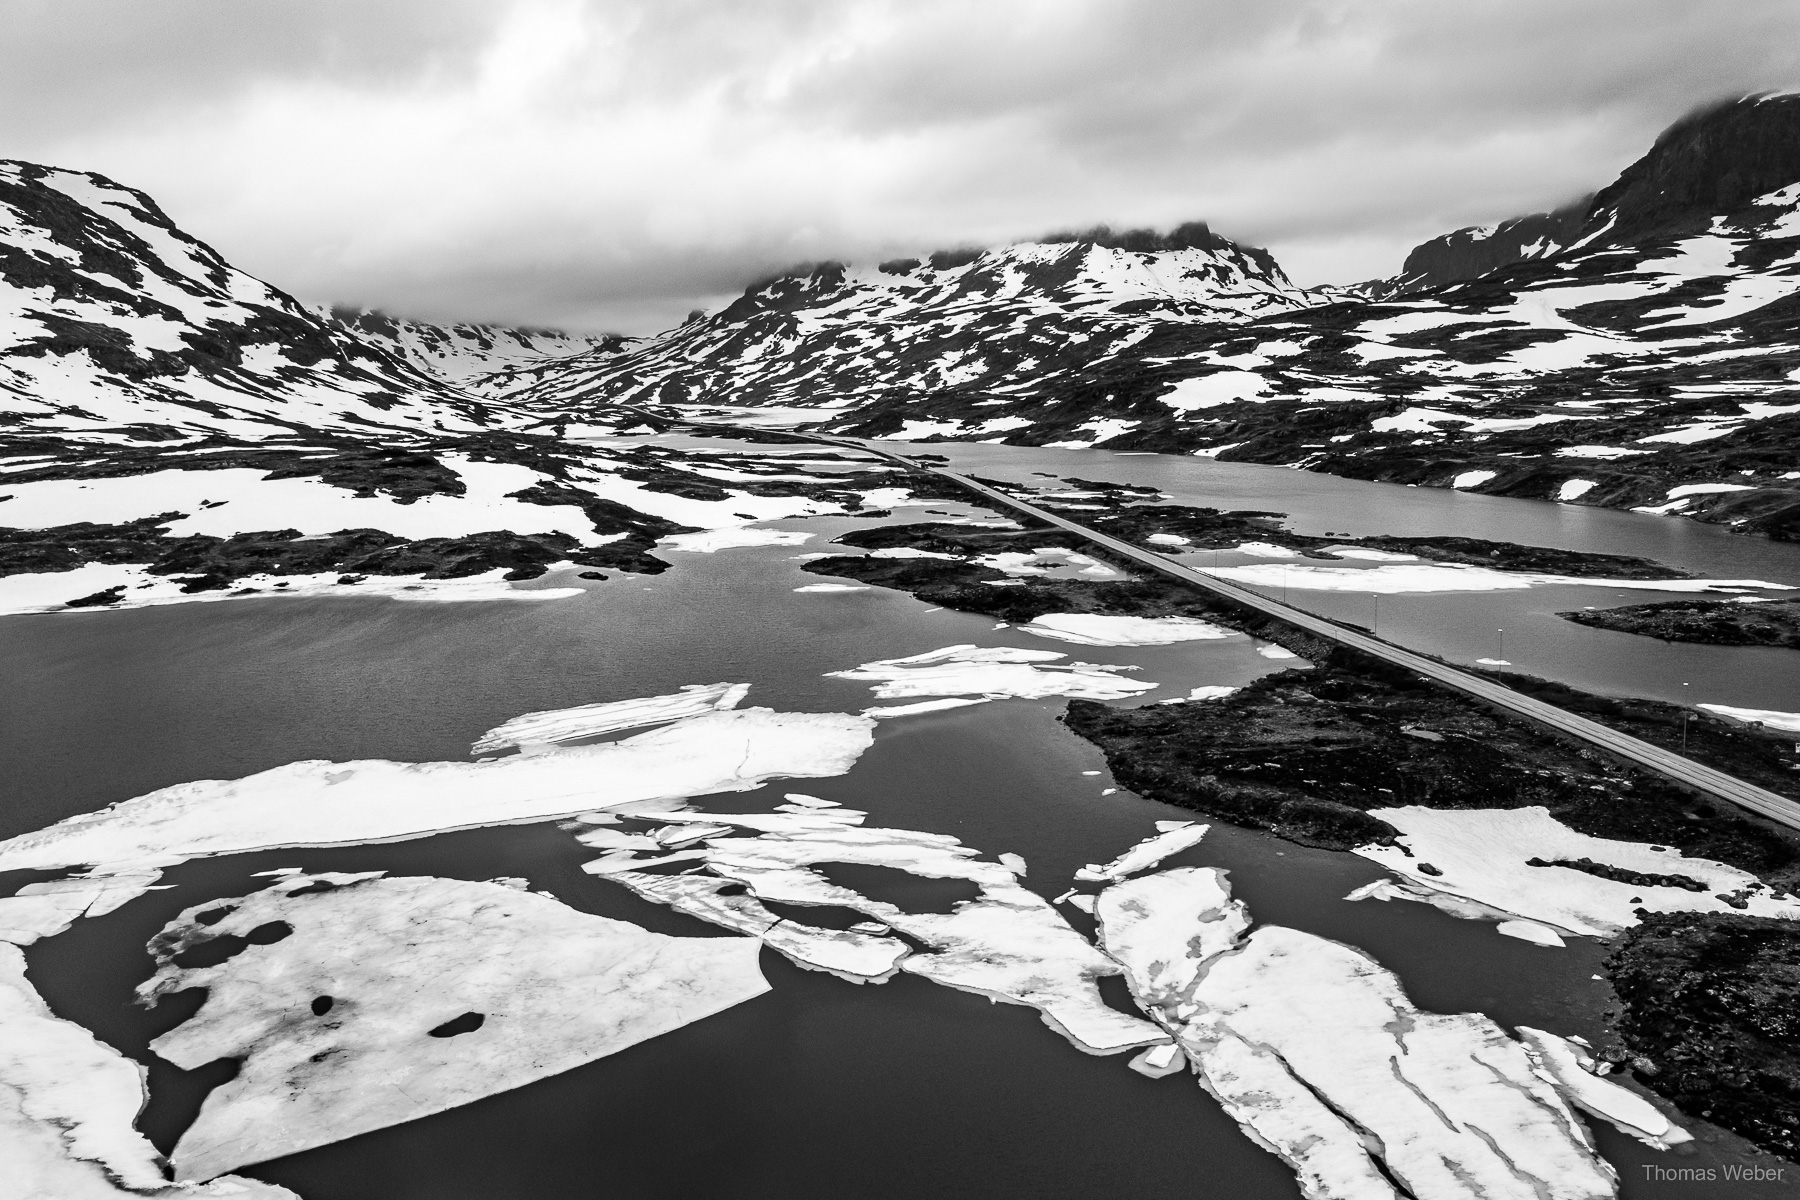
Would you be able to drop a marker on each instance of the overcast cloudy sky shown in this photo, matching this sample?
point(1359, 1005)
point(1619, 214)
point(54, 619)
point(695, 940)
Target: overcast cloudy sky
point(614, 163)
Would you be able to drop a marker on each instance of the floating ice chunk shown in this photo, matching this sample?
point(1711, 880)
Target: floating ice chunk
point(67, 1103)
point(1009, 944)
point(1786, 721)
point(1168, 539)
point(832, 587)
point(1012, 862)
point(591, 720)
point(1311, 1044)
point(1482, 855)
point(995, 672)
point(607, 838)
point(1530, 931)
point(316, 803)
point(1081, 900)
point(806, 801)
point(389, 999)
point(858, 955)
point(1572, 1069)
point(1147, 853)
point(1095, 629)
point(707, 541)
point(1265, 550)
point(40, 910)
point(1158, 1061)
point(883, 712)
point(1276, 653)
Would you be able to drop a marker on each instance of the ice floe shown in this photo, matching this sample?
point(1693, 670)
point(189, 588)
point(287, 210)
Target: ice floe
point(1484, 856)
point(67, 1104)
point(1096, 629)
point(1449, 577)
point(319, 803)
point(1573, 1070)
point(707, 541)
point(1786, 721)
point(47, 908)
point(1008, 944)
point(833, 587)
point(1171, 838)
point(993, 672)
point(1276, 653)
point(882, 712)
point(388, 999)
point(557, 725)
point(1318, 1054)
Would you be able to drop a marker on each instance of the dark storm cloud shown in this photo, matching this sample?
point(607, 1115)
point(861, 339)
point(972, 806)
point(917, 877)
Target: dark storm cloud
point(613, 163)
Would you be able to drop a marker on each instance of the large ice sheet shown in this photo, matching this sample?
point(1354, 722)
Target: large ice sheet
point(1484, 855)
point(341, 1023)
point(1007, 944)
point(1174, 836)
point(709, 541)
point(324, 803)
point(998, 671)
point(45, 909)
point(1096, 629)
point(590, 720)
point(67, 1103)
point(1314, 1048)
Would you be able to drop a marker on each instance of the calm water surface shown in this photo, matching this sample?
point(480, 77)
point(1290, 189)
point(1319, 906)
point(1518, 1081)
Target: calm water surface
point(821, 1088)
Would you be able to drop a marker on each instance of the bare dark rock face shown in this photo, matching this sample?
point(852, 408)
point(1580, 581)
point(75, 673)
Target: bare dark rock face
point(1712, 1018)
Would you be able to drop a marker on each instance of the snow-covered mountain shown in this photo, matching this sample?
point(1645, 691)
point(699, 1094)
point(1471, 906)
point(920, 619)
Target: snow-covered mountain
point(465, 353)
point(1639, 350)
point(998, 329)
point(116, 325)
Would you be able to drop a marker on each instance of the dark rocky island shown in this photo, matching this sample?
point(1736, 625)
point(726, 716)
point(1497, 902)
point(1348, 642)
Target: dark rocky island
point(1708, 622)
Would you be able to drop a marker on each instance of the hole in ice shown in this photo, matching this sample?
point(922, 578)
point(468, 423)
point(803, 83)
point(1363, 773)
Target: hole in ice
point(734, 889)
point(321, 1005)
point(213, 916)
point(214, 951)
point(317, 885)
point(1117, 994)
point(469, 1022)
point(905, 891)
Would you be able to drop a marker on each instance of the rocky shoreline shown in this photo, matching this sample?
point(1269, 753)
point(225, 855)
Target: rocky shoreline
point(1710, 1019)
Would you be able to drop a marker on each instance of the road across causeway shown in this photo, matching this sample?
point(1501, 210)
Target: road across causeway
point(1667, 763)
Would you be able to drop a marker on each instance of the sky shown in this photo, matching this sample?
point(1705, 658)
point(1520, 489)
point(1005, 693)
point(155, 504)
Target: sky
point(613, 164)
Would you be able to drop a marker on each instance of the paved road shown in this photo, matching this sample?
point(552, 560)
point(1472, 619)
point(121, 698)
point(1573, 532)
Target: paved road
point(1665, 762)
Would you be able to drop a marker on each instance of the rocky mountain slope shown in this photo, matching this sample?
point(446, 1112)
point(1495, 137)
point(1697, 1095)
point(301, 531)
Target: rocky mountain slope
point(1640, 352)
point(173, 429)
point(463, 354)
point(992, 328)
